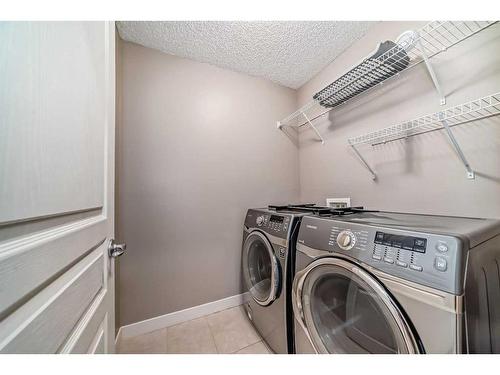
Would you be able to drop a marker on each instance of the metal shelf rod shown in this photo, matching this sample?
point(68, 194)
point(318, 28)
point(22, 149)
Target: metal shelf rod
point(470, 172)
point(315, 117)
point(431, 72)
point(365, 163)
point(423, 132)
point(314, 128)
point(478, 109)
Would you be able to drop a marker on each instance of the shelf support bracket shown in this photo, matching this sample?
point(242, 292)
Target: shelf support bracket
point(470, 172)
point(314, 128)
point(374, 175)
point(428, 64)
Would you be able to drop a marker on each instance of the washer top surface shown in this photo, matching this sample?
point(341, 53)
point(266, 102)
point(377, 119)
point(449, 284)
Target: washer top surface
point(283, 212)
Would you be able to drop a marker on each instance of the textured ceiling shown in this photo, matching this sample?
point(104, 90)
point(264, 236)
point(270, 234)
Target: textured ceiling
point(289, 53)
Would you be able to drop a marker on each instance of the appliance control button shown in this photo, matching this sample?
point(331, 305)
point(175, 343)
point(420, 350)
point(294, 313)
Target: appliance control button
point(416, 268)
point(442, 247)
point(401, 264)
point(260, 220)
point(419, 242)
point(440, 264)
point(377, 257)
point(388, 260)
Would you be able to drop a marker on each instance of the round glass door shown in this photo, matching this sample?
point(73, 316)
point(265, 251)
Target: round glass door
point(345, 310)
point(260, 268)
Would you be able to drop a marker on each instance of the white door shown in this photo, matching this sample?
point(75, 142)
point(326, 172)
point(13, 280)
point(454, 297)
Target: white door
point(57, 118)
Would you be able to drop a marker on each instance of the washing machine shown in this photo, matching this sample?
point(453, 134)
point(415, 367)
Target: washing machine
point(384, 282)
point(268, 256)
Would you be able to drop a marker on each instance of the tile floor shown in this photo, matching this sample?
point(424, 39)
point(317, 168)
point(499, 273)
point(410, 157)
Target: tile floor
point(227, 331)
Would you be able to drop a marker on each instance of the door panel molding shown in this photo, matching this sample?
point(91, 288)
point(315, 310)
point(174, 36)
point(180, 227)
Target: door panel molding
point(28, 263)
point(88, 327)
point(19, 230)
point(98, 345)
point(44, 323)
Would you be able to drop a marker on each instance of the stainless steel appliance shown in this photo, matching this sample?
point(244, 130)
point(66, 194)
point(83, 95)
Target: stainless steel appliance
point(268, 255)
point(383, 282)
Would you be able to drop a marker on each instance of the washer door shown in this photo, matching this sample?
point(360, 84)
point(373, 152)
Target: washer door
point(260, 268)
point(344, 309)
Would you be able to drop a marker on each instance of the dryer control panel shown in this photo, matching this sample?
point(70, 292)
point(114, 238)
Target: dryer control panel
point(271, 223)
point(429, 259)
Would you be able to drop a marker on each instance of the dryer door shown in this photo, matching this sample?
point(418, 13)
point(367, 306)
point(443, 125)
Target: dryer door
point(344, 309)
point(260, 268)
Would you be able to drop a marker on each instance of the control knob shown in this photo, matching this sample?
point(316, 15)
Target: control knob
point(260, 220)
point(346, 240)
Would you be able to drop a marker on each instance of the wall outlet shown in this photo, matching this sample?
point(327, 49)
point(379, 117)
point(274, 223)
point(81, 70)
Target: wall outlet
point(338, 202)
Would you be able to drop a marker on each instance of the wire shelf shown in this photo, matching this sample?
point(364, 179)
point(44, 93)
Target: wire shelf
point(411, 48)
point(471, 111)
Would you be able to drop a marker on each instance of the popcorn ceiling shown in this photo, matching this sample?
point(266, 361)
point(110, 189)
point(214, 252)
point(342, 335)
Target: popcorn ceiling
point(288, 53)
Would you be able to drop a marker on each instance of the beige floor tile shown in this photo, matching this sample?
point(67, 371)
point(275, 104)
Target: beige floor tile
point(231, 330)
point(150, 343)
point(257, 348)
point(191, 337)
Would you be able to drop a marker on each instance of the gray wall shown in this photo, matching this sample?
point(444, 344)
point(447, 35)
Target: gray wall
point(422, 174)
point(197, 146)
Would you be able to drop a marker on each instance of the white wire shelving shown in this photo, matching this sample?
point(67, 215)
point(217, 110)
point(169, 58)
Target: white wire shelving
point(471, 111)
point(410, 49)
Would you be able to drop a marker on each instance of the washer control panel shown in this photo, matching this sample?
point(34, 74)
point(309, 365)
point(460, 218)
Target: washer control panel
point(274, 224)
point(405, 251)
point(429, 259)
point(418, 244)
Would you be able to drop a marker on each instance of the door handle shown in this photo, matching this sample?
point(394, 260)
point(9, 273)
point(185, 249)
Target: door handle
point(116, 249)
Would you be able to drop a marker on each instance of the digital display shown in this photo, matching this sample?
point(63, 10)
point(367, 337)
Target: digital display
point(276, 219)
point(401, 242)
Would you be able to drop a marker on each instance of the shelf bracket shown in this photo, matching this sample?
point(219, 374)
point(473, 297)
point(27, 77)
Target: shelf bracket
point(314, 128)
point(428, 64)
point(470, 172)
point(374, 175)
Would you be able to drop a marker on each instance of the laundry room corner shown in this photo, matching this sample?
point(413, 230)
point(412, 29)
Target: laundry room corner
point(225, 187)
point(423, 173)
point(195, 150)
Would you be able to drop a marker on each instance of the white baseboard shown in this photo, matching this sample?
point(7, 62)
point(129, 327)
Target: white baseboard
point(181, 316)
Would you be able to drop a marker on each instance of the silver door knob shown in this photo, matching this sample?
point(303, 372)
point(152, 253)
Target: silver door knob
point(116, 249)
